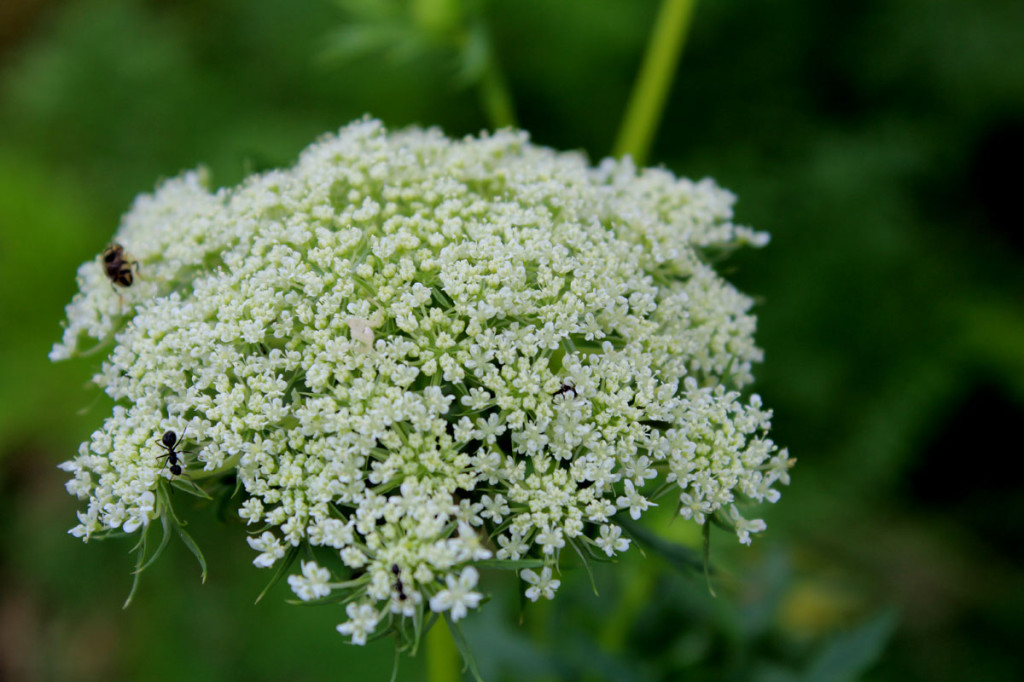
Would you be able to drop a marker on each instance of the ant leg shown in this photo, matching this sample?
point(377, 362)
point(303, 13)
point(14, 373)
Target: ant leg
point(180, 440)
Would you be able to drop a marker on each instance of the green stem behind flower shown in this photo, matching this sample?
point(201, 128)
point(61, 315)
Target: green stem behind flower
point(647, 102)
point(442, 655)
point(440, 17)
point(639, 591)
point(496, 97)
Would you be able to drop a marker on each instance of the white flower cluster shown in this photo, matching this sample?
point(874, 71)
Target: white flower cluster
point(417, 354)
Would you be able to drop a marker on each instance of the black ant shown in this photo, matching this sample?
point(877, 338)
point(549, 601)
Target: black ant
point(117, 267)
point(169, 441)
point(402, 596)
point(565, 390)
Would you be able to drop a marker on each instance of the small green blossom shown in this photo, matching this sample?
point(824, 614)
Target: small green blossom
point(416, 354)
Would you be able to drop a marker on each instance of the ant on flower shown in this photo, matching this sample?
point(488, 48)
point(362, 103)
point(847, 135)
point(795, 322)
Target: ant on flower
point(169, 442)
point(566, 389)
point(402, 596)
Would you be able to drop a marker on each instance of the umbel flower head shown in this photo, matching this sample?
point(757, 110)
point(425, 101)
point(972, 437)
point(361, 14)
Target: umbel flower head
point(418, 356)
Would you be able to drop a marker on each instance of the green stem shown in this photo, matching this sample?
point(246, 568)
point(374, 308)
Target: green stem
point(639, 592)
point(442, 654)
point(647, 101)
point(444, 17)
point(495, 96)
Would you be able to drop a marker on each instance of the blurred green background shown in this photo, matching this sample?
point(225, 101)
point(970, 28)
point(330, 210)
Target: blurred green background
point(880, 143)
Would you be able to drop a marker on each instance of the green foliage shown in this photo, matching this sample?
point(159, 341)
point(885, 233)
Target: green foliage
point(280, 572)
point(850, 655)
point(38, 211)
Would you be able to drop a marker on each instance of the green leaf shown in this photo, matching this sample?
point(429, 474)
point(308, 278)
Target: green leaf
point(417, 628)
point(679, 556)
point(164, 502)
point(707, 559)
point(586, 565)
point(994, 333)
point(191, 488)
point(371, 9)
point(289, 559)
point(474, 56)
point(224, 497)
point(394, 666)
point(463, 646)
point(140, 561)
point(508, 564)
point(165, 523)
point(382, 632)
point(362, 40)
point(193, 547)
point(111, 535)
point(849, 655)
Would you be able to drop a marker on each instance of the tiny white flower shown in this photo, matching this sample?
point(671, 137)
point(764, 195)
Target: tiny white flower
point(611, 540)
point(488, 430)
point(312, 584)
point(744, 527)
point(140, 515)
point(541, 585)
point(270, 549)
point(512, 545)
point(436, 400)
point(550, 539)
point(477, 399)
point(251, 510)
point(353, 557)
point(363, 619)
point(494, 508)
point(459, 595)
point(634, 501)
